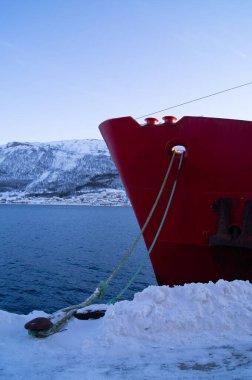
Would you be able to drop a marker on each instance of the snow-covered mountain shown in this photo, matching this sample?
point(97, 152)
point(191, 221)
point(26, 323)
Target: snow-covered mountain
point(76, 171)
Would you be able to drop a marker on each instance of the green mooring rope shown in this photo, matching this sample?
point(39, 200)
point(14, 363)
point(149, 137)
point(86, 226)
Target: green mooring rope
point(134, 244)
point(143, 263)
point(100, 290)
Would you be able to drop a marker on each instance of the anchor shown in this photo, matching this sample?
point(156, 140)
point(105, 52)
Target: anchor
point(229, 235)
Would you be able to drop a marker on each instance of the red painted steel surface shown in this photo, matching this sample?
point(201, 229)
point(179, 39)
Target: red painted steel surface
point(217, 164)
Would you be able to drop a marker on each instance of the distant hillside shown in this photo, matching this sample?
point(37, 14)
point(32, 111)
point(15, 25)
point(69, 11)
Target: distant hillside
point(69, 171)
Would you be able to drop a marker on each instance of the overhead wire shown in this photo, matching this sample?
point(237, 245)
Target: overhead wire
point(195, 100)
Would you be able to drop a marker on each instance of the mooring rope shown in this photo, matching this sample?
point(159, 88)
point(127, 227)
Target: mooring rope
point(100, 290)
point(119, 296)
point(146, 223)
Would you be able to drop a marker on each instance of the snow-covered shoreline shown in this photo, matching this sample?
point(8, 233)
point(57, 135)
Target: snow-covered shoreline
point(69, 172)
point(196, 331)
point(103, 197)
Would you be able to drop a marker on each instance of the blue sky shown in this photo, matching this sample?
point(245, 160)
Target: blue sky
point(67, 65)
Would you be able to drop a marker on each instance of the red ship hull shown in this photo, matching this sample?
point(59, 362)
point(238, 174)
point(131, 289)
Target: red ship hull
point(207, 234)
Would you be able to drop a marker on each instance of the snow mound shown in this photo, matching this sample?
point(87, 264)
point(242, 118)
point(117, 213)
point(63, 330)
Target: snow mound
point(195, 331)
point(203, 312)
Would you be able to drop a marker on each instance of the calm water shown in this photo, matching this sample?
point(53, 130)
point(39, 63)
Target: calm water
point(54, 256)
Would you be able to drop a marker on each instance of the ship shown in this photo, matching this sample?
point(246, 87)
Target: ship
point(207, 233)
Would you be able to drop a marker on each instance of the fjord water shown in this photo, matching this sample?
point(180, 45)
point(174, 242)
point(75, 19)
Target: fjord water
point(55, 256)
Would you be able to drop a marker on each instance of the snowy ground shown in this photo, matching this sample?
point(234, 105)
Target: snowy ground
point(196, 331)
